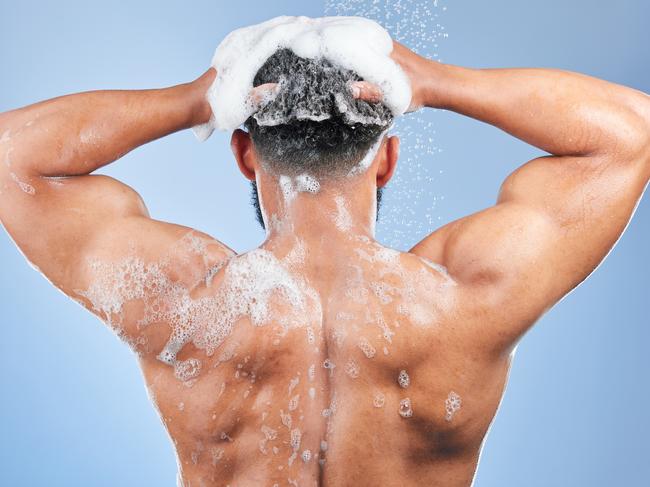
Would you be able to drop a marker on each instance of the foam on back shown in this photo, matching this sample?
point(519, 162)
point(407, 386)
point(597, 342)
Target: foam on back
point(354, 43)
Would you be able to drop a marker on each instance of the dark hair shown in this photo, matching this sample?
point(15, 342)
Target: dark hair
point(314, 124)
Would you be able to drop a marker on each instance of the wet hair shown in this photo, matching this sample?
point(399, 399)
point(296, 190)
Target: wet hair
point(314, 124)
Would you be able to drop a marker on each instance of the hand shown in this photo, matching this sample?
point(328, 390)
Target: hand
point(414, 66)
point(418, 70)
point(201, 110)
point(366, 91)
point(262, 95)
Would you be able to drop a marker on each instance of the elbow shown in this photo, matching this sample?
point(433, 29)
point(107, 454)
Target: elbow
point(625, 128)
point(644, 141)
point(642, 145)
point(631, 143)
point(634, 153)
point(637, 136)
point(638, 146)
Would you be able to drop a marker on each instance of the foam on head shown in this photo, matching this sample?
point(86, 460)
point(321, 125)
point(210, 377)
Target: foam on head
point(352, 43)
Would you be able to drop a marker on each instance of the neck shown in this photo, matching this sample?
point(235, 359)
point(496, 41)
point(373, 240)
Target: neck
point(315, 209)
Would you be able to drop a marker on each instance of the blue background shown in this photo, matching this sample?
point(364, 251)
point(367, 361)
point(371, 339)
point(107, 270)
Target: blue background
point(73, 410)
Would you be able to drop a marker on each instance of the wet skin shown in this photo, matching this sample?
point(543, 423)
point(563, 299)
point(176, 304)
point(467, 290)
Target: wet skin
point(416, 322)
point(225, 390)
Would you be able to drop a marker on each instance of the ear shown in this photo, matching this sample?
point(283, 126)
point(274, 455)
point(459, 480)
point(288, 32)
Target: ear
point(388, 155)
point(242, 148)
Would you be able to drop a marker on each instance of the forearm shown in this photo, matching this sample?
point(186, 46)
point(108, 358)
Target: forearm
point(560, 112)
point(77, 134)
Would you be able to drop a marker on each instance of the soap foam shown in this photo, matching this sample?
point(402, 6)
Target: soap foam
point(295, 439)
point(24, 187)
point(365, 163)
point(7, 157)
point(366, 347)
point(452, 405)
point(306, 183)
point(250, 284)
point(306, 455)
point(353, 43)
point(405, 410)
point(352, 368)
point(343, 218)
point(403, 379)
point(379, 400)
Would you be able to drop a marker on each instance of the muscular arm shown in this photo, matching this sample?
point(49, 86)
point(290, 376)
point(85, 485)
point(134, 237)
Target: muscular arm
point(76, 134)
point(556, 217)
point(60, 216)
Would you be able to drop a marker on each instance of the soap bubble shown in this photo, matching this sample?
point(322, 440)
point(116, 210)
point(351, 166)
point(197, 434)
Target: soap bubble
point(403, 379)
point(405, 410)
point(452, 405)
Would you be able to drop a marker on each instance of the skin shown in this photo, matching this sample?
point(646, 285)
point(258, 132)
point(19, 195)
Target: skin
point(452, 329)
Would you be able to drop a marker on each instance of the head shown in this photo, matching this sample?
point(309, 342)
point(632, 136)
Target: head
point(314, 125)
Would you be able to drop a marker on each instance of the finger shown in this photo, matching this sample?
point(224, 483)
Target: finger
point(263, 94)
point(363, 90)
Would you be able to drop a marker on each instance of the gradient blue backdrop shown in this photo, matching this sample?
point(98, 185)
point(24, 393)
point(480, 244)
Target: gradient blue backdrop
point(73, 410)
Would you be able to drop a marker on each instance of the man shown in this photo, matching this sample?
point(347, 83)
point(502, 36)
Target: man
point(323, 358)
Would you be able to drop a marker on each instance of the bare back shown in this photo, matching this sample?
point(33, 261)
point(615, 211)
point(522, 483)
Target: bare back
point(282, 366)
